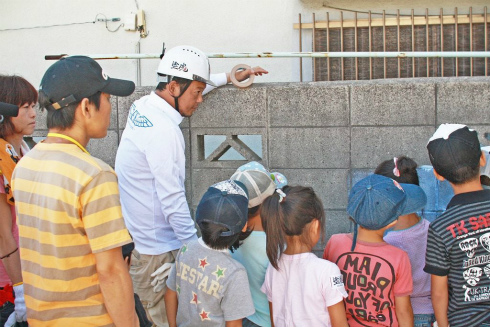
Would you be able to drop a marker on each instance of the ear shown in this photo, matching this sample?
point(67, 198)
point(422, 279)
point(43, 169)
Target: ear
point(85, 109)
point(244, 229)
point(438, 177)
point(483, 159)
point(173, 88)
point(315, 225)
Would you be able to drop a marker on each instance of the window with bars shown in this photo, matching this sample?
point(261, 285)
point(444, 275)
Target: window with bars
point(371, 32)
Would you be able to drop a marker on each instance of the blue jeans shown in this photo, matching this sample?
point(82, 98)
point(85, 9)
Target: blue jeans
point(423, 320)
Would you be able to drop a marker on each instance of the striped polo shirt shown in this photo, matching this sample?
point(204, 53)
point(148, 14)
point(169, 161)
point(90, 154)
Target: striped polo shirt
point(458, 246)
point(68, 208)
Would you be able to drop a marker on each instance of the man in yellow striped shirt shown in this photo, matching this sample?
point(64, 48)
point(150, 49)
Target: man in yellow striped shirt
point(69, 216)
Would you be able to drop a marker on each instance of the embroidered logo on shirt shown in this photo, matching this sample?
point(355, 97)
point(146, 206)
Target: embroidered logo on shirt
point(137, 119)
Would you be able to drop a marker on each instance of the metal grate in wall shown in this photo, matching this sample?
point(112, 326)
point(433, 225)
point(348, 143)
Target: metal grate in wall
point(368, 32)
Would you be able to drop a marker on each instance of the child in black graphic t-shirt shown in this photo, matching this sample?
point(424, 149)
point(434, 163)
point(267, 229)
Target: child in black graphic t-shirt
point(458, 242)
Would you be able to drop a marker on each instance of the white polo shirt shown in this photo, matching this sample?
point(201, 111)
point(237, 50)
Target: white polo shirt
point(150, 165)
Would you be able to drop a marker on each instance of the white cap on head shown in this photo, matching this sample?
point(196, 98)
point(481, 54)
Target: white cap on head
point(185, 62)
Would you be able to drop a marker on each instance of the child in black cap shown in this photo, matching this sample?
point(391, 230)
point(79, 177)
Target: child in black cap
point(207, 286)
point(458, 242)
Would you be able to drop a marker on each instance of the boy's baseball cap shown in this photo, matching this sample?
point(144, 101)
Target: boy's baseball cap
point(485, 171)
point(225, 204)
point(376, 201)
point(453, 146)
point(73, 78)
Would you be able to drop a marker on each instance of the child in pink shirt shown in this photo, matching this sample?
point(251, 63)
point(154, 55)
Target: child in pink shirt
point(377, 275)
point(302, 289)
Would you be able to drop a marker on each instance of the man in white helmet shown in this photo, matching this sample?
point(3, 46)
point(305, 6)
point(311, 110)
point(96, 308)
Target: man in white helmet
point(150, 165)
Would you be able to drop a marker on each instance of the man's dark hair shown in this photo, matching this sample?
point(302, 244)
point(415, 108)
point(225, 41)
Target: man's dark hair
point(211, 235)
point(181, 81)
point(65, 117)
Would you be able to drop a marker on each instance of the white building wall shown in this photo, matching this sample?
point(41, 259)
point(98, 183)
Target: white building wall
point(212, 26)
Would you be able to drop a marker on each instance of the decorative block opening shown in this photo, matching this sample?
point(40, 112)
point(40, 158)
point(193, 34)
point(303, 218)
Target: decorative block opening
point(229, 147)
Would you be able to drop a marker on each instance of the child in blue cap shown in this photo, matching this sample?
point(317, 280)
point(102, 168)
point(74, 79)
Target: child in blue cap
point(377, 276)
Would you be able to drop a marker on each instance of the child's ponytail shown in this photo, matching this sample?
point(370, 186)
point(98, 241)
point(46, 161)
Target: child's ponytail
point(272, 222)
point(286, 213)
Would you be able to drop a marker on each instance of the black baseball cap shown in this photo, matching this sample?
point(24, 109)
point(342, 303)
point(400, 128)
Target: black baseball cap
point(72, 79)
point(453, 146)
point(225, 204)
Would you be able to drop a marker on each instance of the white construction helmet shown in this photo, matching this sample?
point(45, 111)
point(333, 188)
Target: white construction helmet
point(185, 62)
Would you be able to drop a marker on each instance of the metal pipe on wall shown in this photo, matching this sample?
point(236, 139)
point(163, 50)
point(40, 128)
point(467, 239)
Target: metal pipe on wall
point(350, 54)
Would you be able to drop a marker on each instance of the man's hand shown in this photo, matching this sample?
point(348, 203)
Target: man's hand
point(244, 74)
point(19, 314)
point(161, 275)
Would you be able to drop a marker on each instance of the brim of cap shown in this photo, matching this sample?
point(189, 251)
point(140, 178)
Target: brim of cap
point(416, 198)
point(119, 87)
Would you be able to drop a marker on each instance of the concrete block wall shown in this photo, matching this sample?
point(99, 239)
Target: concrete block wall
point(326, 135)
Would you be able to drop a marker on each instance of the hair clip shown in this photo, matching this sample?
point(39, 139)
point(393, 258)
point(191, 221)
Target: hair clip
point(396, 172)
point(282, 195)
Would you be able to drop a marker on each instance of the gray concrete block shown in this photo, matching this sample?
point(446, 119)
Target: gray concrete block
point(395, 103)
point(464, 101)
point(41, 119)
point(198, 153)
point(114, 113)
point(123, 105)
point(186, 133)
point(232, 107)
point(329, 184)
point(483, 133)
point(105, 148)
point(202, 179)
point(308, 105)
point(371, 146)
point(309, 147)
point(337, 222)
point(188, 186)
point(357, 174)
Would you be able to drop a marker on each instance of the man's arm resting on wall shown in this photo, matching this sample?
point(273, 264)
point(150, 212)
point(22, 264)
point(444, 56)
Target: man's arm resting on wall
point(116, 287)
point(440, 299)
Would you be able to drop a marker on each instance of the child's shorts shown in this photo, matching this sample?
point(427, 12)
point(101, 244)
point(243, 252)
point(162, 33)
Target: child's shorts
point(424, 320)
